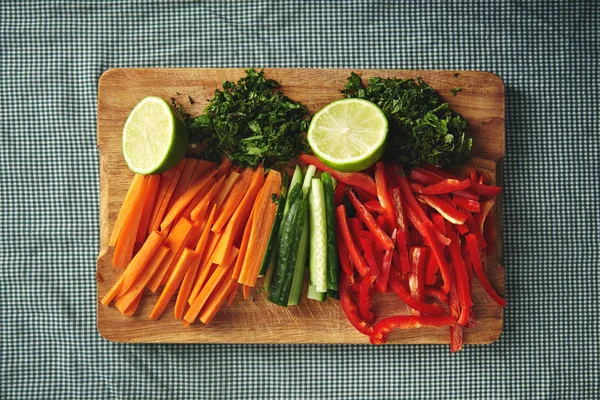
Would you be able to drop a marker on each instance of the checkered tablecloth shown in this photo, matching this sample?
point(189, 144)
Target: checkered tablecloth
point(51, 56)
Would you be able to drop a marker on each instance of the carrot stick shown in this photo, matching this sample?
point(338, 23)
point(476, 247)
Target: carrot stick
point(138, 286)
point(241, 214)
point(233, 293)
point(246, 291)
point(202, 168)
point(206, 266)
point(210, 286)
point(197, 199)
point(152, 190)
point(126, 242)
point(190, 275)
point(125, 208)
point(237, 193)
point(175, 241)
point(243, 248)
point(169, 194)
point(114, 290)
point(227, 186)
point(129, 311)
point(165, 181)
point(264, 214)
point(188, 256)
point(184, 181)
point(216, 301)
point(203, 184)
point(200, 208)
point(141, 259)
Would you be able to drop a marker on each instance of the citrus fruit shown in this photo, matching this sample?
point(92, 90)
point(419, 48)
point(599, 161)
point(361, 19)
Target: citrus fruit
point(154, 138)
point(348, 135)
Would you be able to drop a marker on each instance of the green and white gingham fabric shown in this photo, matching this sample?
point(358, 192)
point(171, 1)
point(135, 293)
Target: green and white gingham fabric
point(51, 56)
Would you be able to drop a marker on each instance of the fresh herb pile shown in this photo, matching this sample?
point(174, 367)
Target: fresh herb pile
point(251, 122)
point(422, 129)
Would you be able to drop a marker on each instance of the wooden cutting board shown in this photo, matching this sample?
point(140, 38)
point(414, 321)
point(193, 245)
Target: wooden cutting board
point(481, 102)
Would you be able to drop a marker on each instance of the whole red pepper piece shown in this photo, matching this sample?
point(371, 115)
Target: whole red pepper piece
point(382, 281)
point(444, 208)
point(357, 259)
point(477, 266)
point(357, 179)
point(383, 195)
point(398, 287)
point(447, 186)
point(350, 308)
point(364, 298)
point(370, 222)
point(382, 328)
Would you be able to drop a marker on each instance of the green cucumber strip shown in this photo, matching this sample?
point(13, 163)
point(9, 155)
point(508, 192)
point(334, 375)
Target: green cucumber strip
point(270, 269)
point(300, 267)
point(332, 256)
point(318, 237)
point(308, 175)
point(291, 232)
point(314, 295)
point(333, 294)
point(274, 235)
point(297, 178)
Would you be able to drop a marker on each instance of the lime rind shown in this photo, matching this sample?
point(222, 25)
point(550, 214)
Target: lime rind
point(154, 138)
point(349, 134)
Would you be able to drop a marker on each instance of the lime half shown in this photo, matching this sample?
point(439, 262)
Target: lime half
point(154, 138)
point(348, 135)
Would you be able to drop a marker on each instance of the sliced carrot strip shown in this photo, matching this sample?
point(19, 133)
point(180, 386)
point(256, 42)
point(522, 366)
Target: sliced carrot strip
point(138, 286)
point(175, 241)
point(125, 208)
point(188, 256)
point(227, 187)
point(203, 167)
point(233, 293)
point(197, 199)
point(243, 248)
point(152, 190)
point(165, 181)
point(126, 242)
point(129, 311)
point(142, 259)
point(246, 291)
point(234, 199)
point(216, 301)
point(169, 194)
point(184, 181)
point(190, 275)
point(200, 208)
point(114, 290)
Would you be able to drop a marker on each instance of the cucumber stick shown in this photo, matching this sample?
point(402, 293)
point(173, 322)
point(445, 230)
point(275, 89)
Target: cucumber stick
point(314, 295)
point(300, 268)
point(273, 236)
point(318, 237)
point(332, 256)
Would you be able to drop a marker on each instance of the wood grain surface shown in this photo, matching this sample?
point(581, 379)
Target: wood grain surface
point(481, 102)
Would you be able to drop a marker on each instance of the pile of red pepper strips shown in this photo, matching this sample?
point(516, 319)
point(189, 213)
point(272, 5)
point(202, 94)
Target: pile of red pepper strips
point(419, 236)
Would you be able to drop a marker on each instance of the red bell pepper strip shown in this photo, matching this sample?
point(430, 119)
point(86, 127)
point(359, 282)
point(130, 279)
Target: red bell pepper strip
point(431, 269)
point(472, 173)
point(462, 278)
point(485, 190)
point(436, 294)
point(416, 187)
point(489, 232)
point(367, 247)
point(467, 194)
point(356, 179)
point(438, 171)
point(382, 328)
point(399, 209)
point(370, 222)
point(364, 299)
point(373, 206)
point(467, 204)
point(447, 186)
point(416, 279)
point(383, 195)
point(436, 249)
point(343, 256)
point(474, 228)
point(357, 259)
point(398, 287)
point(423, 176)
point(456, 331)
point(338, 196)
point(350, 308)
point(401, 239)
point(476, 259)
point(439, 222)
point(382, 281)
point(444, 208)
point(471, 323)
point(486, 207)
point(363, 195)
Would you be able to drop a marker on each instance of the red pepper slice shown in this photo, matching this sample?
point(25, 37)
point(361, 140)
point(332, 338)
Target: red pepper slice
point(447, 186)
point(369, 255)
point(343, 256)
point(472, 173)
point(382, 281)
point(364, 299)
point(383, 194)
point(356, 179)
point(416, 187)
point(370, 222)
point(399, 209)
point(456, 331)
point(398, 287)
point(338, 196)
point(486, 207)
point(485, 190)
point(373, 206)
point(476, 259)
point(363, 195)
point(423, 176)
point(401, 239)
point(467, 194)
point(416, 279)
point(350, 308)
point(355, 256)
point(436, 294)
point(439, 171)
point(489, 232)
point(462, 278)
point(474, 228)
point(436, 249)
point(467, 204)
point(382, 329)
point(444, 208)
point(431, 269)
